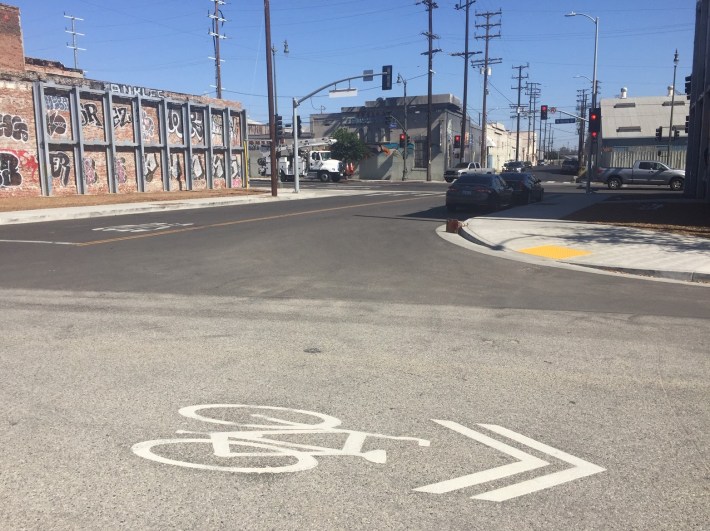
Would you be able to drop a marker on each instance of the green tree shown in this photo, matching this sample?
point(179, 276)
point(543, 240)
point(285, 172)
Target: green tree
point(349, 147)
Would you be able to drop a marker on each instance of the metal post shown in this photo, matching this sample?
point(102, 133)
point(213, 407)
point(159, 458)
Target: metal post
point(670, 129)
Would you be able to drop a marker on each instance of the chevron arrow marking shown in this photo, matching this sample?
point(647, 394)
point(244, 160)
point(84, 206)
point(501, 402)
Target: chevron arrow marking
point(525, 463)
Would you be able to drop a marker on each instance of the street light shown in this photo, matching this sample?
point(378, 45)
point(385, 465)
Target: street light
point(403, 81)
point(594, 87)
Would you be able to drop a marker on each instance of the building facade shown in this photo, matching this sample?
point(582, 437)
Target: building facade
point(63, 134)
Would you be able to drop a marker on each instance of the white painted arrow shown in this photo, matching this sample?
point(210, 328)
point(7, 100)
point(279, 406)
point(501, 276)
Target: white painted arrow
point(525, 463)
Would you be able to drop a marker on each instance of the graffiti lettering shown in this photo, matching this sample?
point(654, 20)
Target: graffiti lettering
point(60, 166)
point(150, 163)
point(121, 116)
point(13, 127)
point(56, 123)
point(175, 122)
point(129, 90)
point(217, 127)
point(56, 103)
point(218, 168)
point(147, 126)
point(89, 115)
point(235, 131)
point(175, 167)
point(9, 170)
point(197, 126)
point(119, 170)
point(90, 176)
point(236, 172)
point(198, 170)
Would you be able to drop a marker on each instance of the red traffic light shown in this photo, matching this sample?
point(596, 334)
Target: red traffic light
point(457, 141)
point(402, 139)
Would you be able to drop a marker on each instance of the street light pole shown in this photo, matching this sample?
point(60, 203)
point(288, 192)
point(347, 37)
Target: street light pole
point(670, 129)
point(400, 79)
point(594, 89)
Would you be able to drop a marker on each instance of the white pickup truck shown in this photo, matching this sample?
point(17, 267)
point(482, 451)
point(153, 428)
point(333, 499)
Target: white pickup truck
point(451, 174)
point(642, 172)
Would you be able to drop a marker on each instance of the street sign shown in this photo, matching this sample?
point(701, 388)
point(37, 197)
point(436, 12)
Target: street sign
point(565, 120)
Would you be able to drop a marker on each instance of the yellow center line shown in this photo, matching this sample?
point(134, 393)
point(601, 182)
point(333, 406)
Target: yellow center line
point(249, 220)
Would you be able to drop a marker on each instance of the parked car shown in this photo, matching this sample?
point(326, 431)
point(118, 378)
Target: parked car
point(513, 165)
point(642, 172)
point(526, 187)
point(527, 165)
point(451, 174)
point(570, 166)
point(483, 190)
point(542, 162)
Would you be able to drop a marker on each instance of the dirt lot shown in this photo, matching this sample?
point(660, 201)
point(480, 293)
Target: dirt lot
point(667, 213)
point(661, 213)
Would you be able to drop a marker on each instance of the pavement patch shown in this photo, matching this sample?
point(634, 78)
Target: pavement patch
point(554, 252)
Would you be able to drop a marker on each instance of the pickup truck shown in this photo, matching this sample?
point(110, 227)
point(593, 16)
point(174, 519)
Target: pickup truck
point(642, 172)
point(451, 174)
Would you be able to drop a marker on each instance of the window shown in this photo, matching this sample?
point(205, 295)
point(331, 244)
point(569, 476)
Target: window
point(419, 161)
point(645, 166)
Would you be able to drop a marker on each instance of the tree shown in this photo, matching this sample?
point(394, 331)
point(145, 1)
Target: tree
point(349, 147)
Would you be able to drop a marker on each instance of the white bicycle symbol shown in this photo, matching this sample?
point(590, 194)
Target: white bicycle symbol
point(257, 447)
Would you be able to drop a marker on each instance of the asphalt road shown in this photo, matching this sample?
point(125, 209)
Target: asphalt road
point(496, 372)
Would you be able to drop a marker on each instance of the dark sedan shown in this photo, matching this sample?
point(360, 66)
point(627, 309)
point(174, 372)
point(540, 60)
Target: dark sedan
point(479, 190)
point(526, 187)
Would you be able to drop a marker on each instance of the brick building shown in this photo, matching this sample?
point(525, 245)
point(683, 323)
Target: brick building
point(63, 134)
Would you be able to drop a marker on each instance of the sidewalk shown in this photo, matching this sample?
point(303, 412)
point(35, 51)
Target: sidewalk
point(536, 233)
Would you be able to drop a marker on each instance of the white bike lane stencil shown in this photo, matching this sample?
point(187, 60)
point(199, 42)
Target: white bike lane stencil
point(264, 438)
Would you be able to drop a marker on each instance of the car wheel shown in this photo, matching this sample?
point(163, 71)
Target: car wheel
point(449, 179)
point(614, 183)
point(323, 176)
point(676, 184)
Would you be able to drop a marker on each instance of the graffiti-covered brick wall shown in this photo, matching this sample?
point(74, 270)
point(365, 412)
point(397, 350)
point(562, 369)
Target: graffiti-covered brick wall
point(62, 134)
point(19, 170)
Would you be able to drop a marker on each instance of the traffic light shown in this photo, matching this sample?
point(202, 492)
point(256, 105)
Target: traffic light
point(402, 140)
point(279, 126)
point(676, 133)
point(595, 122)
point(688, 86)
point(457, 141)
point(299, 127)
point(387, 77)
point(543, 112)
point(687, 124)
point(659, 133)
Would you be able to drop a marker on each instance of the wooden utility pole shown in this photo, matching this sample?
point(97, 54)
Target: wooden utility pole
point(270, 92)
point(430, 6)
point(518, 110)
point(485, 63)
point(217, 21)
point(466, 54)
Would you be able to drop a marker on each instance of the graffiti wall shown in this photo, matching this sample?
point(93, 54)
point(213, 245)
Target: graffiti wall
point(19, 169)
point(116, 140)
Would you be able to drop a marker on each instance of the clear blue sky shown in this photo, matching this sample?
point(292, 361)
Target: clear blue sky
point(165, 44)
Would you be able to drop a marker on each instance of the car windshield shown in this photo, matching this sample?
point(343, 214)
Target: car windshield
point(325, 155)
point(474, 178)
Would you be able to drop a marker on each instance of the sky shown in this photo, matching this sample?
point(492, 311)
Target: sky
point(165, 44)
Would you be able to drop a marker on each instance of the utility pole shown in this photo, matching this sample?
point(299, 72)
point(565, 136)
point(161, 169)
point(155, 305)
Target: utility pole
point(486, 62)
point(466, 54)
point(217, 21)
point(73, 34)
point(270, 93)
point(533, 91)
point(582, 111)
point(518, 110)
point(276, 98)
point(430, 6)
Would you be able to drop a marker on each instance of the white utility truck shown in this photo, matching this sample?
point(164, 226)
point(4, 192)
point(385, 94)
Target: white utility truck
point(314, 164)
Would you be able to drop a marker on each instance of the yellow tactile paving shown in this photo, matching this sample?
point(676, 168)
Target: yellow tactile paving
point(555, 252)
